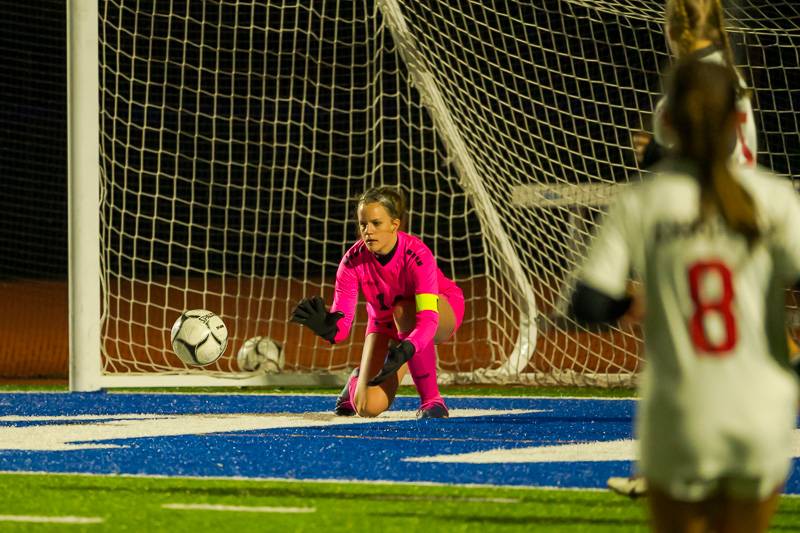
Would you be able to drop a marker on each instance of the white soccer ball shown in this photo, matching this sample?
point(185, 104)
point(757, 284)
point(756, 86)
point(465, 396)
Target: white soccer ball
point(261, 354)
point(199, 337)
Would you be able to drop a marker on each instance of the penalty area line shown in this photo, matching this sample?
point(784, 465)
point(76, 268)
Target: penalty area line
point(236, 508)
point(51, 519)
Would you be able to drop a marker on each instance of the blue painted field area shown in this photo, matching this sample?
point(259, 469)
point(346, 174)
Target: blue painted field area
point(500, 441)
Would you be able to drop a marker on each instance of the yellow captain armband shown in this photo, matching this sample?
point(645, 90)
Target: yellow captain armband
point(427, 302)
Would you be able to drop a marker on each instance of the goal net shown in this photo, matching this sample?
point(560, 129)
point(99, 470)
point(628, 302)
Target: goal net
point(236, 136)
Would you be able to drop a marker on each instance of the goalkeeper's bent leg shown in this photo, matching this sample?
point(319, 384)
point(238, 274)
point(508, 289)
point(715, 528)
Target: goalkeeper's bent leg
point(368, 400)
point(423, 365)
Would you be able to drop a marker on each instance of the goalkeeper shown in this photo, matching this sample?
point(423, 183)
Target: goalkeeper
point(411, 306)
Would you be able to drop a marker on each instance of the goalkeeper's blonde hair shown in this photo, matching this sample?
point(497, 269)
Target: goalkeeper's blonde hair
point(391, 198)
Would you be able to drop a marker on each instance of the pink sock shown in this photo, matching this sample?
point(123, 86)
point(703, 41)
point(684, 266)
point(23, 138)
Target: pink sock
point(422, 368)
point(351, 386)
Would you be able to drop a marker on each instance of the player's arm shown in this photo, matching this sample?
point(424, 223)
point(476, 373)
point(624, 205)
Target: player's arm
point(650, 153)
point(601, 294)
point(785, 235)
point(785, 245)
point(592, 306)
point(426, 298)
point(649, 148)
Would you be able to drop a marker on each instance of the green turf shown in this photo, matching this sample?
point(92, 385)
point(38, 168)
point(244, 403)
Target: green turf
point(135, 504)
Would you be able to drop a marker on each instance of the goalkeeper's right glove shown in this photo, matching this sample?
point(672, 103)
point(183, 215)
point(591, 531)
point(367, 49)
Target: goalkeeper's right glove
point(396, 357)
point(311, 312)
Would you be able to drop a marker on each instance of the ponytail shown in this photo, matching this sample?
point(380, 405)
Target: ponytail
point(717, 21)
point(693, 20)
point(702, 104)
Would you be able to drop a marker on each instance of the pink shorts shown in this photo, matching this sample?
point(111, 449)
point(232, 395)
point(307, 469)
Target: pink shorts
point(454, 297)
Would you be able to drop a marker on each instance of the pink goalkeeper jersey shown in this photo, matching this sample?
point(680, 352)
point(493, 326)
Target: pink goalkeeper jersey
point(411, 274)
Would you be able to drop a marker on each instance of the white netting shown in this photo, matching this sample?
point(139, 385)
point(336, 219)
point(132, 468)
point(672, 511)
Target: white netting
point(237, 135)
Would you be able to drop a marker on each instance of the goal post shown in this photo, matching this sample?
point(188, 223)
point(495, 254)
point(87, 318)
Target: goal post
point(86, 313)
point(83, 146)
point(217, 150)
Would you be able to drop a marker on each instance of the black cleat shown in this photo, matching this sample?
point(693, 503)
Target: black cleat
point(437, 410)
point(343, 405)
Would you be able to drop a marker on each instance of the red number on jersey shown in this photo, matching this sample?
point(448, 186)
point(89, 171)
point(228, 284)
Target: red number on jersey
point(698, 273)
point(746, 152)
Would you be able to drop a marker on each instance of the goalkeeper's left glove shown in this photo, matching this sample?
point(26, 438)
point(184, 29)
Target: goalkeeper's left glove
point(311, 312)
point(396, 357)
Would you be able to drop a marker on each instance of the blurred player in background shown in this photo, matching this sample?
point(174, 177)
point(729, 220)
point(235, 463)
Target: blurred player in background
point(693, 28)
point(411, 306)
point(697, 28)
point(716, 245)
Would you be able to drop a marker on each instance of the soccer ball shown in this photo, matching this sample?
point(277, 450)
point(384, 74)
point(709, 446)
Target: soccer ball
point(199, 337)
point(260, 354)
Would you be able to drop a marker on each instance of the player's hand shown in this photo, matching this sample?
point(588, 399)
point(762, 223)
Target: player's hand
point(636, 312)
point(311, 312)
point(640, 141)
point(395, 358)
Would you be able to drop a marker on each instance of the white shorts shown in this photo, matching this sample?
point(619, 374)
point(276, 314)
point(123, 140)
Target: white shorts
point(693, 449)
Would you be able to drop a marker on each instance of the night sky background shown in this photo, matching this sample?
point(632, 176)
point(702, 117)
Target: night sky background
point(33, 164)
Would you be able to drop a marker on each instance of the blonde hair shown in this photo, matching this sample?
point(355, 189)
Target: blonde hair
point(693, 20)
point(390, 198)
point(701, 105)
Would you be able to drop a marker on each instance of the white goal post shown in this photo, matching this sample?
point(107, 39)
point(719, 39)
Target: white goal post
point(216, 151)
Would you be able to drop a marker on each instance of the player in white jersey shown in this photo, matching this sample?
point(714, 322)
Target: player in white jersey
point(715, 245)
point(693, 28)
point(697, 27)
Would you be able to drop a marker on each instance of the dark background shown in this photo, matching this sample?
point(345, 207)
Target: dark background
point(279, 217)
point(33, 139)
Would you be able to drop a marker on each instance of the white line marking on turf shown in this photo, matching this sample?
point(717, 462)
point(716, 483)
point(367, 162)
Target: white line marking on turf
point(596, 451)
point(64, 434)
point(615, 450)
point(51, 519)
point(236, 508)
point(319, 481)
point(127, 392)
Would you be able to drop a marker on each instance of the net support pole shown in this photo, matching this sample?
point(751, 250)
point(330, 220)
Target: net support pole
point(425, 83)
point(83, 140)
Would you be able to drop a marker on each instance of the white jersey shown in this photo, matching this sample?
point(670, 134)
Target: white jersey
point(746, 140)
point(717, 398)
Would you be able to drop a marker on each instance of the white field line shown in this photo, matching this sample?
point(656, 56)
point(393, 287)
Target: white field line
point(332, 481)
point(332, 394)
point(51, 519)
point(320, 481)
point(236, 508)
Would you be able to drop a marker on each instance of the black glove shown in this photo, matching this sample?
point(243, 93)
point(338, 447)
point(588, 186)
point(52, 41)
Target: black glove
point(311, 312)
point(395, 358)
point(653, 154)
point(795, 363)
